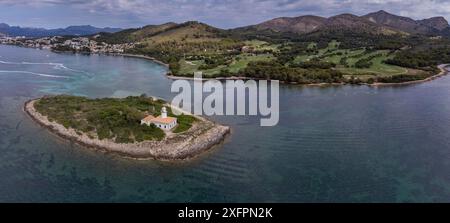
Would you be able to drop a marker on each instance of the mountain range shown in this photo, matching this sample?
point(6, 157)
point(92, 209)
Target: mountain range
point(40, 32)
point(377, 23)
point(380, 22)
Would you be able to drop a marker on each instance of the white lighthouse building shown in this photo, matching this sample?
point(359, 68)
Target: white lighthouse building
point(163, 121)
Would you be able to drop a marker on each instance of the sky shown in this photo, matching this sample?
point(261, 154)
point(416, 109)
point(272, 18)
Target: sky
point(219, 13)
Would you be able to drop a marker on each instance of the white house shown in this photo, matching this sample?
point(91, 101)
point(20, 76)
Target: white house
point(163, 121)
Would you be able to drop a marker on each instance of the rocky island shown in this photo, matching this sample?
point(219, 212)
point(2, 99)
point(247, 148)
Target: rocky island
point(120, 126)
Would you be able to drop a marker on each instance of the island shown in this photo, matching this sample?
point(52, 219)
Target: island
point(138, 127)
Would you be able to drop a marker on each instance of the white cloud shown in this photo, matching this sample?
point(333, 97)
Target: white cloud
point(238, 12)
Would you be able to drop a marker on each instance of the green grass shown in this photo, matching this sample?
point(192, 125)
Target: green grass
point(378, 68)
point(184, 123)
point(312, 45)
point(345, 53)
point(304, 58)
point(332, 48)
point(333, 45)
point(331, 53)
point(244, 59)
point(239, 62)
point(335, 58)
point(262, 45)
point(190, 66)
point(108, 118)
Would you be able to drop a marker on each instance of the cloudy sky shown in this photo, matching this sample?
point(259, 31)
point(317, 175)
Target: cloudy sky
point(220, 13)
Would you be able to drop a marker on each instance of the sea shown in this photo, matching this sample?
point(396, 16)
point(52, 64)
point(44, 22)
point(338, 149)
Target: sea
point(332, 144)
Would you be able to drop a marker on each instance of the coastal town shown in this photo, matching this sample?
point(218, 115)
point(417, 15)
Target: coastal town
point(61, 43)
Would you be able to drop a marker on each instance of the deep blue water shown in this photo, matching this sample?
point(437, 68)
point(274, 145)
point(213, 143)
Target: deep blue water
point(333, 144)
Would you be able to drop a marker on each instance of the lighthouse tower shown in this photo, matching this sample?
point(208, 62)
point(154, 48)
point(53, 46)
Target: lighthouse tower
point(163, 121)
point(164, 112)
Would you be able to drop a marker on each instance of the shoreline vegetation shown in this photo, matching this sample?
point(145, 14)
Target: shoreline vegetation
point(169, 74)
point(332, 77)
point(199, 137)
point(441, 67)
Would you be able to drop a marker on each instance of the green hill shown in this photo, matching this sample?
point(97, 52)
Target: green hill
point(170, 43)
point(370, 48)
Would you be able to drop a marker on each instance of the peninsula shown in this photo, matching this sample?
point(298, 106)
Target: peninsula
point(123, 126)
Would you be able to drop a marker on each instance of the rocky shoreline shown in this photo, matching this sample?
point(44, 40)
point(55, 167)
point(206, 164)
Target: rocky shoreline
point(200, 138)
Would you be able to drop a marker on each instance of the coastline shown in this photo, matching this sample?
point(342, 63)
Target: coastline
point(174, 147)
point(441, 67)
point(143, 57)
point(169, 74)
point(442, 72)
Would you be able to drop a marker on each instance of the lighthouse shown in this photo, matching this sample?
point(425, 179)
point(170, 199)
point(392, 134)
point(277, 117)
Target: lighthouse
point(164, 112)
point(163, 121)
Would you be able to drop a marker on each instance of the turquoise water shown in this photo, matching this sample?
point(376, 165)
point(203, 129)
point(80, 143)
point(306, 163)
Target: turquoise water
point(334, 144)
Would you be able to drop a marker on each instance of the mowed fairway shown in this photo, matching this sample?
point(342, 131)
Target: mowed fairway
point(345, 60)
point(334, 55)
point(236, 62)
point(332, 48)
point(187, 67)
point(261, 45)
point(378, 68)
point(239, 62)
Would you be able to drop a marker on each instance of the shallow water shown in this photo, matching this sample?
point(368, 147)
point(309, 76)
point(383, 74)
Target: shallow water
point(334, 144)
